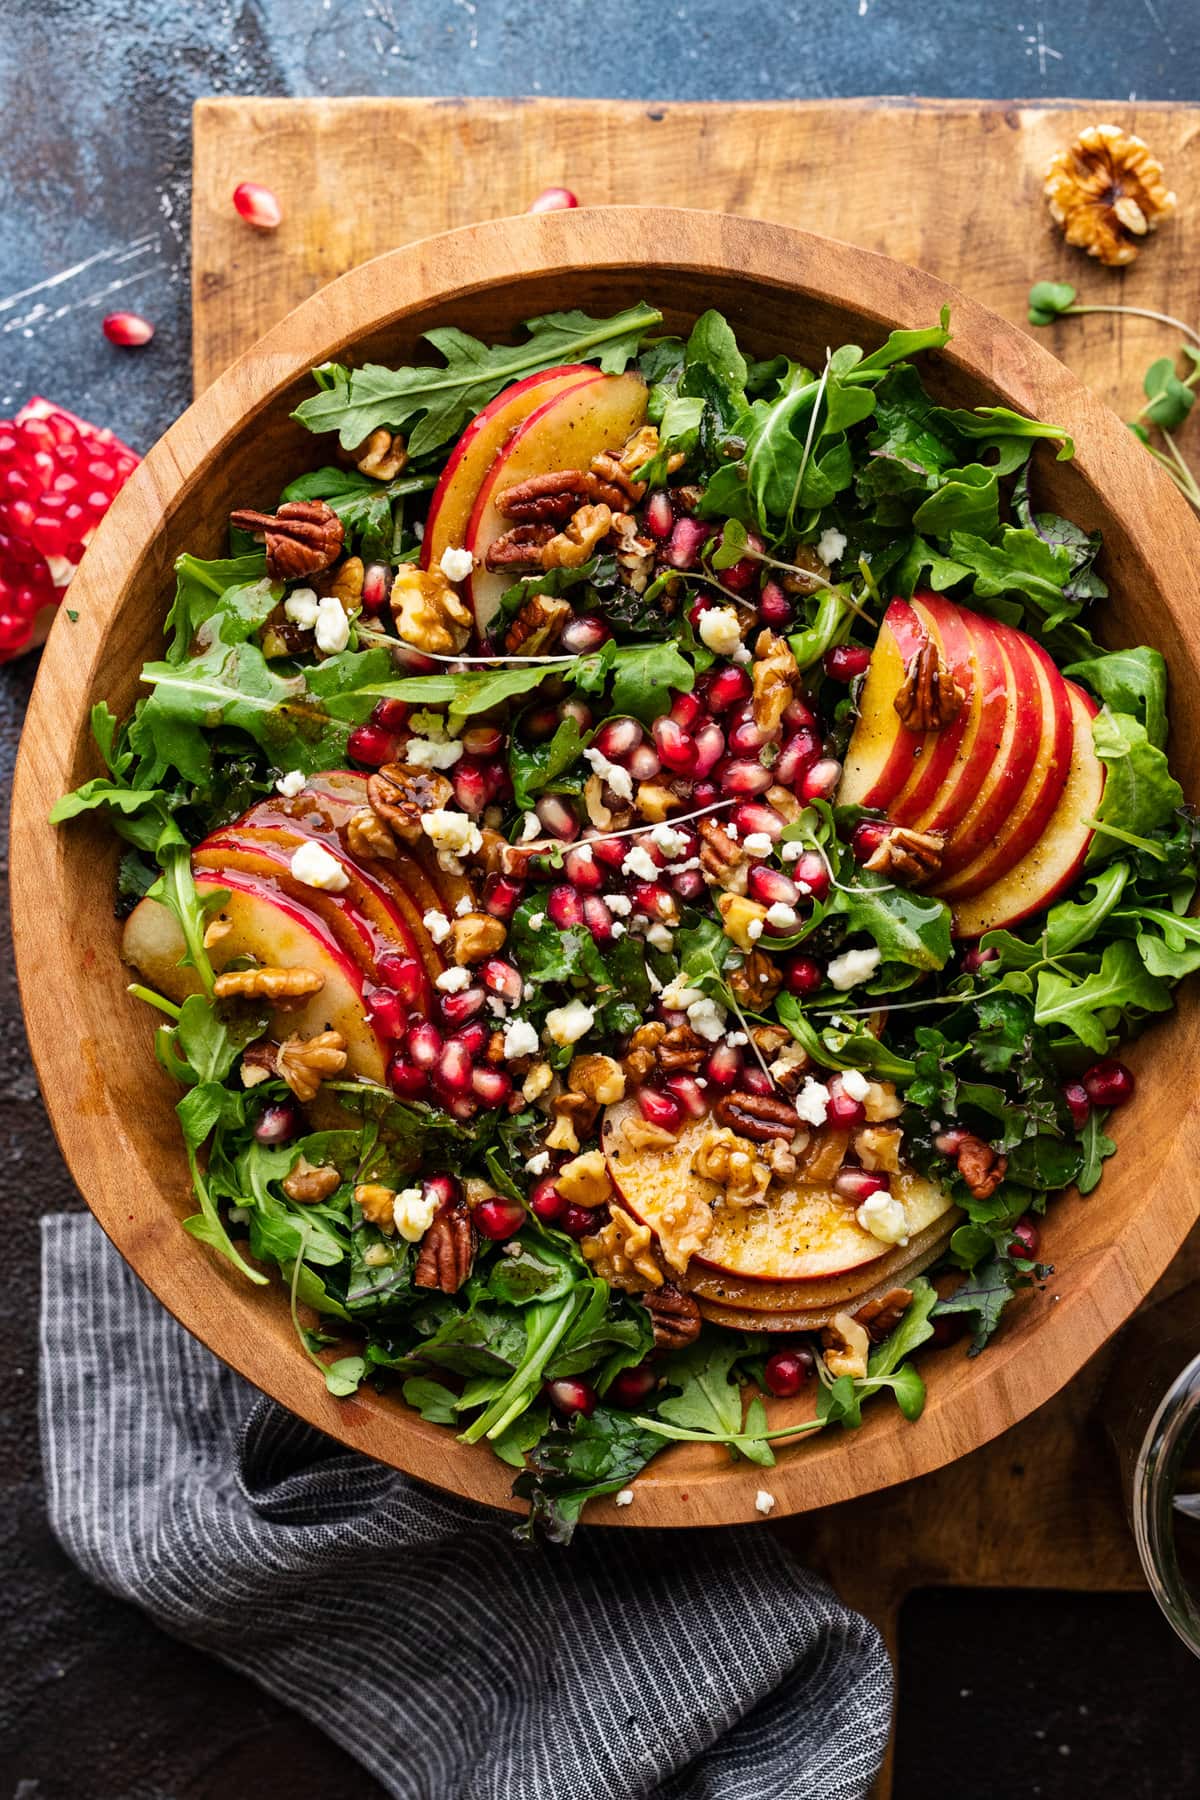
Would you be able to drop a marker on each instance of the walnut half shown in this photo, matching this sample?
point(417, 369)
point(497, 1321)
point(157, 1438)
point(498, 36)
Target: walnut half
point(1107, 192)
point(622, 1254)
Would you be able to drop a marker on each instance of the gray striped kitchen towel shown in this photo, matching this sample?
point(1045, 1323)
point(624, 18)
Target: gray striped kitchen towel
point(452, 1662)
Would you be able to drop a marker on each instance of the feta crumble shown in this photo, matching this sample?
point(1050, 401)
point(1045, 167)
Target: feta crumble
point(290, 785)
point(452, 831)
point(333, 627)
point(678, 996)
point(620, 904)
point(812, 1102)
point(437, 925)
point(758, 843)
point(316, 868)
point(520, 1039)
point(453, 981)
point(792, 850)
point(754, 930)
point(707, 1019)
point(672, 843)
point(536, 921)
point(456, 565)
point(463, 907)
point(531, 827)
point(537, 1165)
point(855, 1083)
point(432, 753)
point(618, 779)
point(638, 861)
point(831, 545)
point(659, 937)
point(720, 630)
point(302, 608)
point(853, 966)
point(781, 916)
point(625, 1497)
point(884, 1217)
point(413, 1213)
point(763, 1502)
point(567, 1024)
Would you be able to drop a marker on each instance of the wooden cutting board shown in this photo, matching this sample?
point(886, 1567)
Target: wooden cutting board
point(953, 186)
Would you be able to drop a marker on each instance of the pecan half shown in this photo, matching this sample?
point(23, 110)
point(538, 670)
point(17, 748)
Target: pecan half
point(538, 626)
point(304, 1063)
point(400, 792)
point(447, 1249)
point(908, 855)
point(268, 984)
point(757, 1116)
point(981, 1167)
point(309, 1183)
point(880, 1316)
point(519, 549)
point(928, 698)
point(674, 1316)
point(555, 496)
point(757, 982)
point(304, 537)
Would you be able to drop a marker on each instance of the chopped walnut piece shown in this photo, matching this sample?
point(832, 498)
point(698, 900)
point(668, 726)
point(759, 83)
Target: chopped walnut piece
point(846, 1346)
point(684, 1226)
point(267, 984)
point(640, 1055)
point(621, 467)
point(639, 1134)
point(400, 793)
point(428, 611)
point(786, 804)
point(308, 1183)
point(908, 855)
point(825, 1155)
point(655, 802)
point(575, 543)
point(674, 1316)
point(775, 676)
point(738, 915)
point(782, 1161)
point(757, 1116)
point(622, 1254)
point(878, 1147)
point(601, 1078)
point(1107, 191)
point(981, 1167)
point(368, 835)
point(259, 1063)
point(722, 858)
point(732, 1162)
point(447, 1248)
point(928, 698)
point(215, 930)
point(375, 1202)
point(681, 1052)
point(635, 554)
point(539, 1078)
point(581, 1111)
point(810, 573)
point(880, 1316)
point(555, 496)
point(476, 935)
point(584, 1181)
point(382, 456)
point(304, 1063)
point(757, 982)
point(303, 538)
point(882, 1103)
point(538, 626)
point(344, 582)
point(562, 1135)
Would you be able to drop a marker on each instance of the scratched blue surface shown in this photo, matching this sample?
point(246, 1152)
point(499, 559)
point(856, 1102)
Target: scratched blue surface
point(97, 165)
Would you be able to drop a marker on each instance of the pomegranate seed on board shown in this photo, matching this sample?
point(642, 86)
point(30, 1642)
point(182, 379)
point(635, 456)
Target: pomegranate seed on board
point(557, 817)
point(729, 687)
point(571, 1397)
point(775, 607)
point(821, 781)
point(1025, 1239)
point(651, 898)
point(801, 975)
point(771, 886)
point(688, 1092)
point(387, 1013)
point(565, 907)
point(127, 329)
point(406, 1079)
point(582, 870)
point(617, 738)
point(1108, 1082)
point(809, 871)
point(458, 1009)
point(754, 816)
point(491, 1086)
point(278, 1123)
point(546, 1203)
point(846, 662)
point(580, 637)
point(843, 1110)
point(740, 776)
point(257, 205)
point(553, 199)
point(502, 896)
point(660, 1109)
point(632, 1387)
point(372, 745)
point(724, 1065)
point(405, 975)
point(865, 841)
point(787, 1371)
point(1078, 1104)
point(857, 1185)
point(376, 589)
point(977, 957)
point(500, 977)
point(423, 1044)
point(660, 520)
point(498, 1219)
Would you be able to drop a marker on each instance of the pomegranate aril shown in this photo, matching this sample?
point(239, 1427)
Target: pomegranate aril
point(473, 1037)
point(557, 817)
point(843, 1110)
point(771, 886)
point(742, 575)
point(482, 740)
point(491, 1086)
point(797, 756)
point(553, 199)
point(687, 539)
point(810, 871)
point(756, 1081)
point(257, 205)
point(801, 975)
point(582, 870)
point(392, 715)
point(470, 787)
point(1078, 1104)
point(865, 841)
point(443, 1187)
point(372, 745)
point(461, 1106)
point(660, 520)
point(405, 975)
point(498, 1219)
point(674, 746)
point(502, 896)
point(376, 590)
point(540, 723)
point(775, 607)
point(565, 907)
point(278, 1123)
point(978, 957)
point(688, 885)
point(453, 1071)
point(387, 1012)
point(598, 919)
point(787, 1371)
point(857, 1185)
point(644, 763)
point(571, 1397)
point(755, 818)
point(423, 1044)
point(740, 776)
point(1025, 1240)
point(846, 662)
point(459, 1009)
point(1108, 1082)
point(745, 737)
point(405, 1078)
point(686, 711)
point(704, 793)
point(580, 1221)
point(710, 748)
point(617, 738)
point(546, 1203)
point(583, 636)
point(127, 329)
point(724, 1065)
point(632, 1387)
point(690, 1095)
point(660, 1109)
point(729, 687)
point(500, 977)
point(578, 710)
point(651, 898)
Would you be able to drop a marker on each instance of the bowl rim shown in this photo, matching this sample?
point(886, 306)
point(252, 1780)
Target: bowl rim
point(987, 1397)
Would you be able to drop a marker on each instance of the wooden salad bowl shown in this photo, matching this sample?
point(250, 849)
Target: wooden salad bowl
point(113, 1108)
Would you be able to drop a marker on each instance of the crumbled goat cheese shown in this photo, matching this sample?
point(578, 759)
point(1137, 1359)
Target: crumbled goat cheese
point(496, 1006)
point(430, 753)
point(763, 1502)
point(618, 779)
point(884, 1217)
point(678, 996)
point(720, 630)
point(453, 981)
point(737, 1040)
point(758, 844)
point(333, 627)
point(537, 1165)
point(520, 1039)
point(302, 608)
point(456, 565)
point(531, 827)
point(536, 921)
point(625, 1497)
point(792, 850)
point(620, 904)
point(463, 907)
point(781, 916)
point(672, 843)
point(855, 1083)
point(853, 966)
point(238, 1215)
point(812, 1102)
point(437, 925)
point(316, 868)
point(659, 937)
point(730, 830)
point(741, 655)
point(413, 1213)
point(790, 1058)
point(707, 1019)
point(290, 785)
point(618, 930)
point(639, 862)
point(754, 930)
point(831, 545)
point(451, 831)
point(567, 1024)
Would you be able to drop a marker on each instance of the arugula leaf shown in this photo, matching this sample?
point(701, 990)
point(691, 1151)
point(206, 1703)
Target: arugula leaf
point(1021, 563)
point(441, 400)
point(1096, 1147)
point(233, 586)
point(575, 1463)
point(1093, 1007)
point(998, 425)
point(644, 676)
point(1140, 792)
point(709, 1399)
point(984, 1295)
point(966, 499)
point(836, 1048)
point(1132, 682)
point(535, 767)
point(909, 928)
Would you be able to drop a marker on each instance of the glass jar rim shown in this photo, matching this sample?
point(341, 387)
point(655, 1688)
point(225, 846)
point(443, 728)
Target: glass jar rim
point(1176, 1420)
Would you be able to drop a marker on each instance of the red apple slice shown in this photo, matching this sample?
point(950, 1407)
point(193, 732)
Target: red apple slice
point(962, 875)
point(276, 932)
point(807, 1233)
point(454, 496)
point(942, 624)
point(881, 753)
point(1056, 859)
point(565, 432)
point(991, 727)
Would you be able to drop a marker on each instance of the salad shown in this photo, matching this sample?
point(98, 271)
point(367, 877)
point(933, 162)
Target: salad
point(639, 868)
